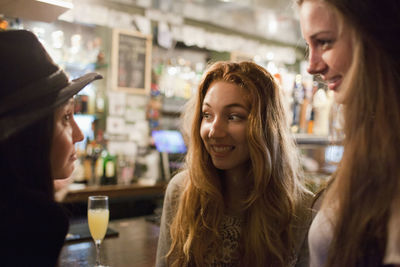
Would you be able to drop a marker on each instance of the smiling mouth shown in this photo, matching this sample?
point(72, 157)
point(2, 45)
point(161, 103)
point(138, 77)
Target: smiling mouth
point(334, 83)
point(222, 149)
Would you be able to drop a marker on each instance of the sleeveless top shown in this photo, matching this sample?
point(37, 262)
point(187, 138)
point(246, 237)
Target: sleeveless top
point(321, 233)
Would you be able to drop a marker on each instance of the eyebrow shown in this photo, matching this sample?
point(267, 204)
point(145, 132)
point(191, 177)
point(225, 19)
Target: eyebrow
point(233, 105)
point(70, 102)
point(318, 33)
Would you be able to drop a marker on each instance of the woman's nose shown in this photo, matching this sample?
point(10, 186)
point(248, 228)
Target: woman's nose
point(77, 134)
point(217, 129)
point(316, 64)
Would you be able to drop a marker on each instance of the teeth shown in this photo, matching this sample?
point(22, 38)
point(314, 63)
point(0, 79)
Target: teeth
point(221, 149)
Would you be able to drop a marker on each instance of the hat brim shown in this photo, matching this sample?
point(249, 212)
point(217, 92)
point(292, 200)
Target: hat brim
point(74, 87)
point(37, 109)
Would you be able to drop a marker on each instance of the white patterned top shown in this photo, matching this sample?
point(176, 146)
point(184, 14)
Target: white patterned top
point(228, 253)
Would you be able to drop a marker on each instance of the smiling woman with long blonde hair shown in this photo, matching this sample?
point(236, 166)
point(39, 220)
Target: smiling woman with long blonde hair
point(238, 202)
point(354, 46)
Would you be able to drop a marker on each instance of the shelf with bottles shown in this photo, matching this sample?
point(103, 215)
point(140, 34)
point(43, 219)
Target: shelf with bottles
point(95, 165)
point(103, 163)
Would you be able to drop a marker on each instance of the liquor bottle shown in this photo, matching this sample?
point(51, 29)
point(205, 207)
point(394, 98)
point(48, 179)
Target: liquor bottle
point(125, 169)
point(78, 175)
point(109, 169)
point(87, 169)
point(322, 103)
point(298, 97)
point(310, 123)
point(99, 169)
point(305, 109)
point(88, 165)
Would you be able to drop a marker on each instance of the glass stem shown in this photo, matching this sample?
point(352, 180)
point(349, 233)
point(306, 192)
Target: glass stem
point(98, 243)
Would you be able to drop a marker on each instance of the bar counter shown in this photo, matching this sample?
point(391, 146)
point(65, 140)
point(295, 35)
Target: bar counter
point(136, 190)
point(136, 245)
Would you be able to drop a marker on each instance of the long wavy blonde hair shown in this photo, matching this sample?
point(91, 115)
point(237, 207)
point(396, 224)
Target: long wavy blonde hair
point(275, 191)
point(367, 179)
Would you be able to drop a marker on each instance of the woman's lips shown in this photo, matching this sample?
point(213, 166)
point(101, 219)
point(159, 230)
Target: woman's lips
point(334, 83)
point(221, 150)
point(74, 157)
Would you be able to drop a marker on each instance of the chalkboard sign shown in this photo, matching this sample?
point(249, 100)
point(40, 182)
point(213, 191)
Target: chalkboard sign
point(131, 55)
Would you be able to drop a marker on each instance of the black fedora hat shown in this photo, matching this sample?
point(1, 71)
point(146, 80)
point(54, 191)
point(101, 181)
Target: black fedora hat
point(31, 84)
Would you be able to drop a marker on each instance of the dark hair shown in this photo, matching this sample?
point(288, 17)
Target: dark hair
point(25, 160)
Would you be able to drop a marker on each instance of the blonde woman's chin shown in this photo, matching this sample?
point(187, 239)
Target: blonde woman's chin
point(339, 97)
point(337, 89)
point(338, 94)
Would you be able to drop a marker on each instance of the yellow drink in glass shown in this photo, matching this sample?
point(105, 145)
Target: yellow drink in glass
point(98, 214)
point(98, 221)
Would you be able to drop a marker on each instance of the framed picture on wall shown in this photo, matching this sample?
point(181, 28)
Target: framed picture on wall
point(131, 61)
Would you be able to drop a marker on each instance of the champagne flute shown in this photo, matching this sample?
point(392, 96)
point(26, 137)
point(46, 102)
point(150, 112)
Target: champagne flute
point(98, 215)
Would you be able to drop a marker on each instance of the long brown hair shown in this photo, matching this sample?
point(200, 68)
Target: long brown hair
point(368, 176)
point(274, 193)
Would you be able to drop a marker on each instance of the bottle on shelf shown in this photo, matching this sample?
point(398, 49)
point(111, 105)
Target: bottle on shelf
point(305, 109)
point(89, 162)
point(87, 169)
point(125, 169)
point(298, 97)
point(109, 175)
point(322, 103)
point(98, 169)
point(310, 123)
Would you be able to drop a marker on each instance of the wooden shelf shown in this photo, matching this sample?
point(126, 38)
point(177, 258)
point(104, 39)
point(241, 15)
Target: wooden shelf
point(114, 191)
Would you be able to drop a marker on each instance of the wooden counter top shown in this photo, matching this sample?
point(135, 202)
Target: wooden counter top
point(136, 246)
point(81, 195)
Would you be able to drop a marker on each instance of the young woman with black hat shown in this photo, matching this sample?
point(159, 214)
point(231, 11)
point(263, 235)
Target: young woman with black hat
point(37, 137)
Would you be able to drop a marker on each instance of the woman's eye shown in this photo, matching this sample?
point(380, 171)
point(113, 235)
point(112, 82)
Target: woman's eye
point(235, 117)
point(67, 117)
point(206, 115)
point(324, 44)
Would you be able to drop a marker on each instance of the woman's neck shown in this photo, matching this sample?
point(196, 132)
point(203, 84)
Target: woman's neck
point(236, 186)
